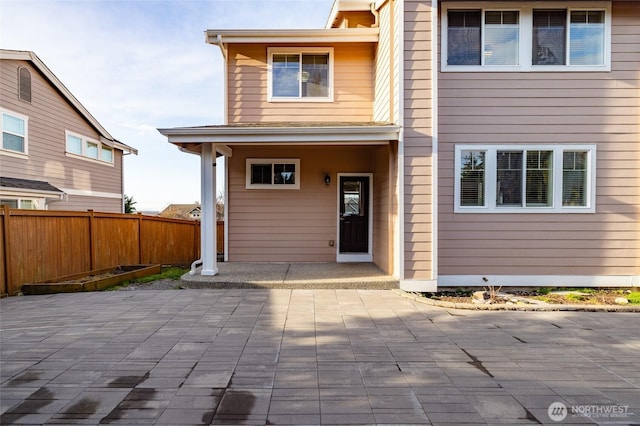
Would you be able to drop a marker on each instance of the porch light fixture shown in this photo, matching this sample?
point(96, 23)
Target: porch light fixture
point(327, 179)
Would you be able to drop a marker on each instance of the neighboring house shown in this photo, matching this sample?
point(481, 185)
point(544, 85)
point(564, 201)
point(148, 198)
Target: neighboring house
point(182, 211)
point(445, 141)
point(54, 153)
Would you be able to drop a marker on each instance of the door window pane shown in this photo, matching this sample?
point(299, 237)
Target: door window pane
point(501, 38)
point(549, 35)
point(472, 178)
point(463, 37)
point(352, 191)
point(509, 178)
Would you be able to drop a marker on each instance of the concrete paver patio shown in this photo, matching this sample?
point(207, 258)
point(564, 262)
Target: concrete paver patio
point(281, 356)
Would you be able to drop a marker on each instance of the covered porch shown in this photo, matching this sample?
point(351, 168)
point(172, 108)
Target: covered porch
point(293, 190)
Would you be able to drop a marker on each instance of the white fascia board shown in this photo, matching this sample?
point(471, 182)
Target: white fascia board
point(324, 35)
point(26, 192)
point(282, 135)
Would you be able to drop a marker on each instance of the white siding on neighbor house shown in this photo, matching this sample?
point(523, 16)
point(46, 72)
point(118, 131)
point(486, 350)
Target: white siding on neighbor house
point(601, 108)
point(418, 167)
point(49, 116)
point(353, 87)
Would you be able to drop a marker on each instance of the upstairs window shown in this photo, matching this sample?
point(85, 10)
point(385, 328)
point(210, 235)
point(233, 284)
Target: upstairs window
point(300, 75)
point(273, 174)
point(526, 38)
point(14, 132)
point(525, 179)
point(86, 148)
point(24, 84)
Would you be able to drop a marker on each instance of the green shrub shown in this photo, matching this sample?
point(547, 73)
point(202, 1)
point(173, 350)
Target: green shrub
point(634, 297)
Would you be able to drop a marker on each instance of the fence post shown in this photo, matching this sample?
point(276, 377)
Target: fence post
point(7, 263)
point(140, 218)
point(92, 241)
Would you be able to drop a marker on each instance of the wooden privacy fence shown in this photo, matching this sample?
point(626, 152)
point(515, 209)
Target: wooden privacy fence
point(37, 245)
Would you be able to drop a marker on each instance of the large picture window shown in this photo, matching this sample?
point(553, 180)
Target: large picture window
point(526, 38)
point(273, 173)
point(300, 75)
point(516, 178)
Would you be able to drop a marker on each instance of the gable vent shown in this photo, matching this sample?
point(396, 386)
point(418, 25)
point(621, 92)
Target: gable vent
point(24, 84)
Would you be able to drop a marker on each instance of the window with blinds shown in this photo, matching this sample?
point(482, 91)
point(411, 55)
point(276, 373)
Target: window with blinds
point(545, 36)
point(517, 178)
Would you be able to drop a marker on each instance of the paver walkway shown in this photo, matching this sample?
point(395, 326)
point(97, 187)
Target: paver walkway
point(308, 357)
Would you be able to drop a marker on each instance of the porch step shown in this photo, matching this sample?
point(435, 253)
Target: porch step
point(366, 276)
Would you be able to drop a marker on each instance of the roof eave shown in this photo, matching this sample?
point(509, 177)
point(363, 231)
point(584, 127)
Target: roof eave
point(324, 35)
point(281, 135)
point(24, 55)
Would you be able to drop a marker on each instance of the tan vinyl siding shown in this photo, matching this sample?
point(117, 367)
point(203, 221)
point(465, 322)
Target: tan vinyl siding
point(353, 87)
point(418, 221)
point(601, 108)
point(383, 208)
point(384, 69)
point(49, 116)
point(297, 225)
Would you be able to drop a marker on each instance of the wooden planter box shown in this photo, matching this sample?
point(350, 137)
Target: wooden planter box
point(98, 279)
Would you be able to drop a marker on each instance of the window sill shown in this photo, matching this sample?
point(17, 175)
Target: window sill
point(91, 160)
point(531, 69)
point(524, 210)
point(14, 154)
point(300, 100)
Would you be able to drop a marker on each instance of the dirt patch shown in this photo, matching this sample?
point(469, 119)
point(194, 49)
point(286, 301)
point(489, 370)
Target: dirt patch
point(540, 297)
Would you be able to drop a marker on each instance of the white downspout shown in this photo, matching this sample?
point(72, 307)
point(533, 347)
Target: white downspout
point(434, 139)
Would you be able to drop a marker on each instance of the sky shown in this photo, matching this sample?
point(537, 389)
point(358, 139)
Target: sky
point(140, 65)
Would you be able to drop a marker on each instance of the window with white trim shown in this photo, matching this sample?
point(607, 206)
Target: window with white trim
point(525, 178)
point(86, 148)
point(14, 132)
point(300, 74)
point(528, 38)
point(273, 173)
point(21, 203)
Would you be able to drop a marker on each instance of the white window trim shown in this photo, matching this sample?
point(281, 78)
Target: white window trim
point(84, 155)
point(526, 37)
point(291, 50)
point(491, 172)
point(272, 161)
point(10, 152)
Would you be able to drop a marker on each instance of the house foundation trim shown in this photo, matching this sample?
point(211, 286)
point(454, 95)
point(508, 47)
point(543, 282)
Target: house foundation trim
point(419, 285)
point(539, 280)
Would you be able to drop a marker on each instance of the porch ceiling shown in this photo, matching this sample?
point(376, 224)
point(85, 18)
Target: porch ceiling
point(191, 138)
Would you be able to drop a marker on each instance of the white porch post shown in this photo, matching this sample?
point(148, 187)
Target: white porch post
point(208, 213)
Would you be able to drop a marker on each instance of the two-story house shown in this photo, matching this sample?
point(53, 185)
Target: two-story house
point(54, 155)
point(448, 142)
